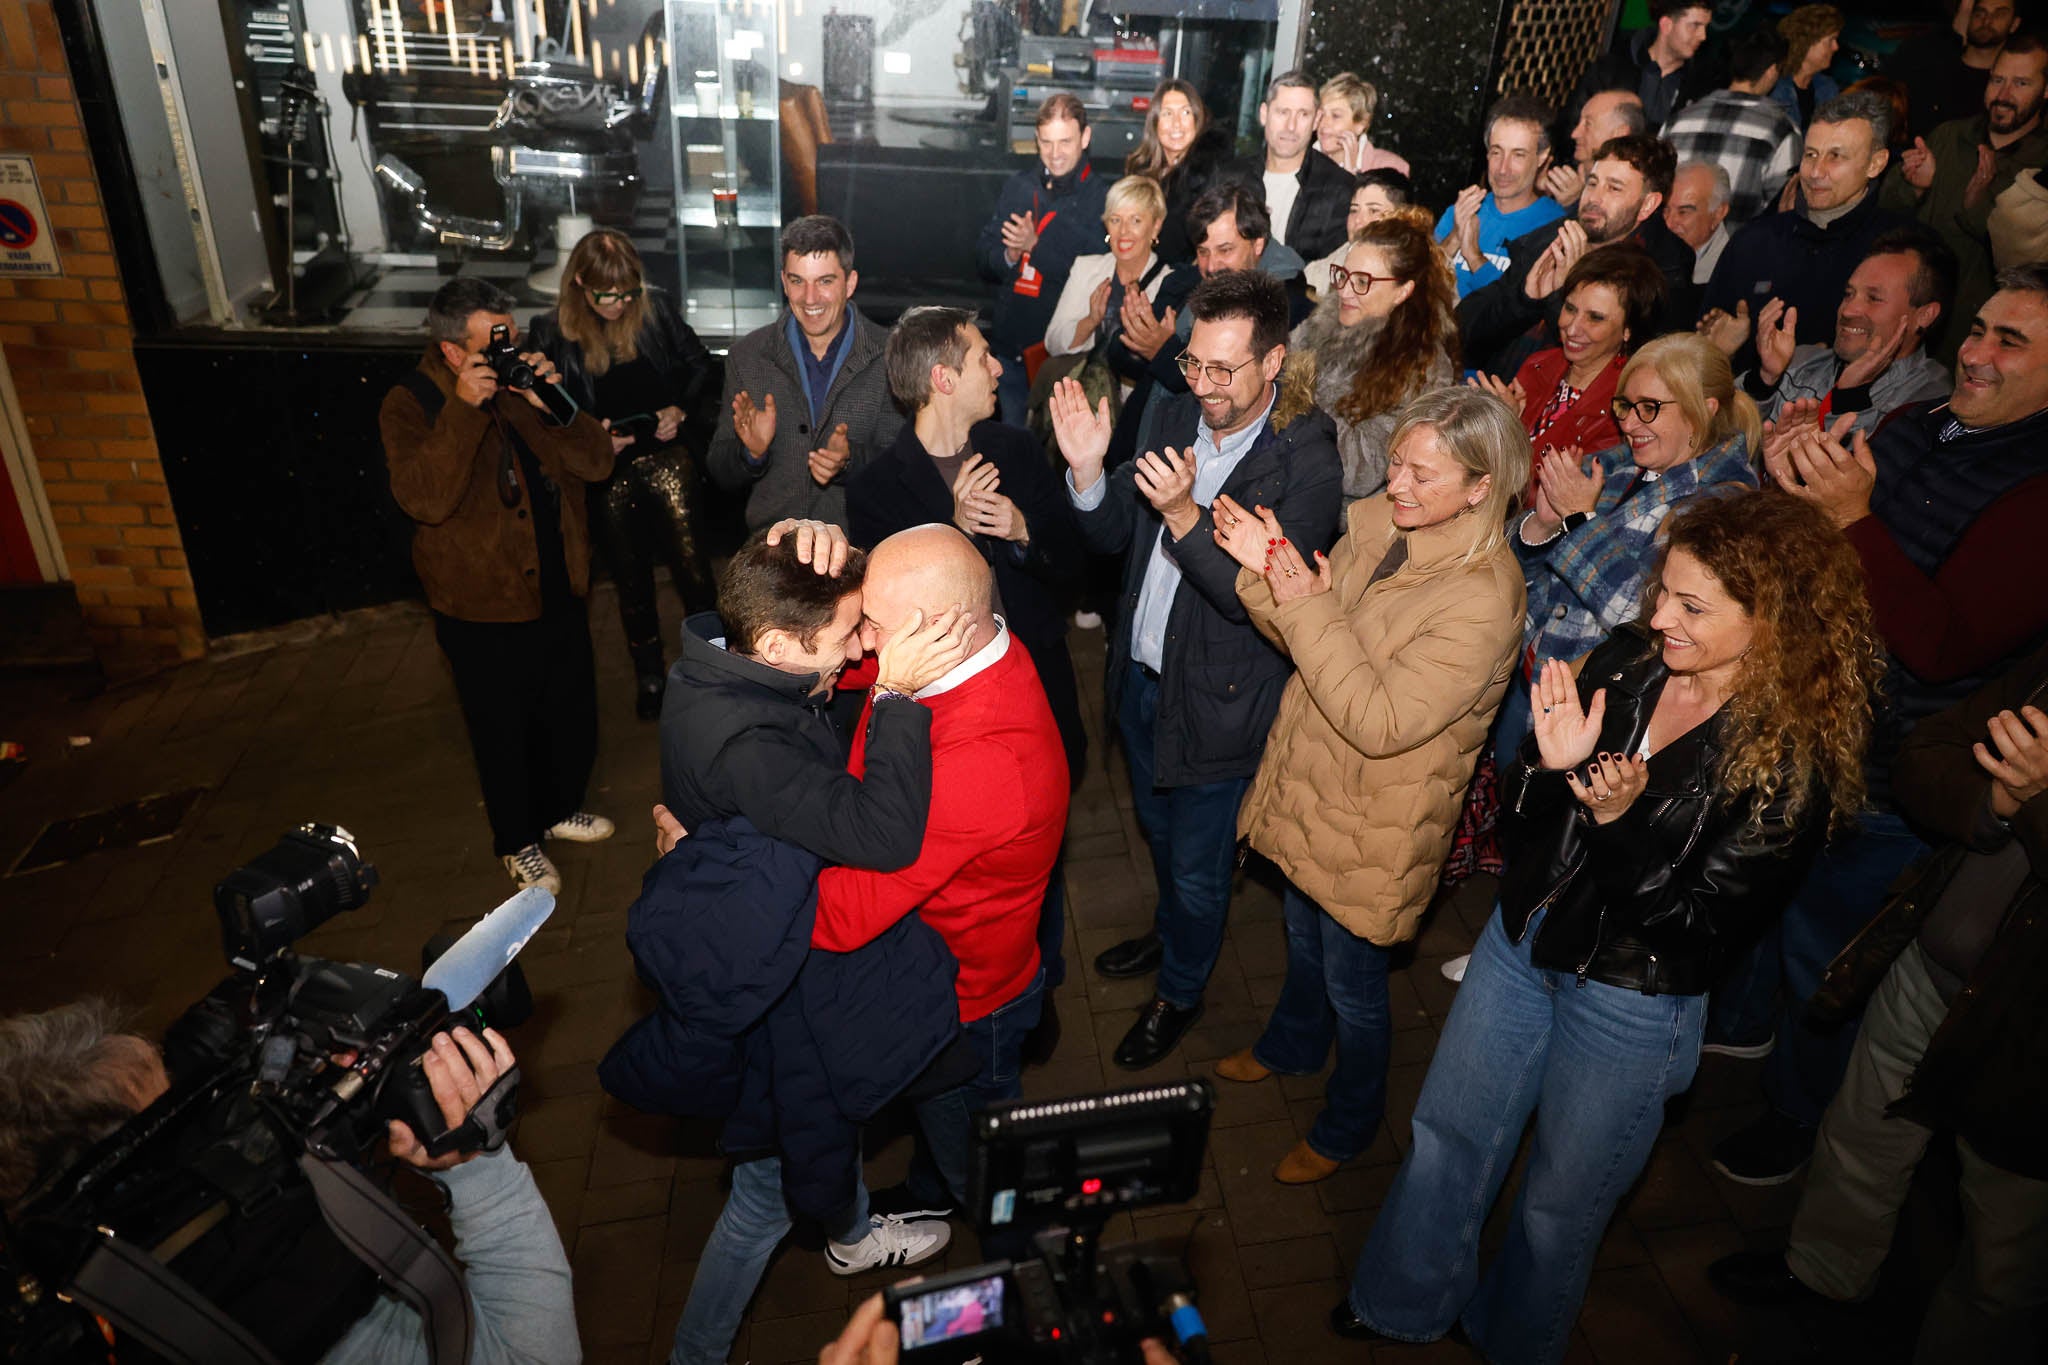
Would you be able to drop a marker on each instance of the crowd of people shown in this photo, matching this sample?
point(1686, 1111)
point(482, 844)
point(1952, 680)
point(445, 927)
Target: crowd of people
point(1654, 524)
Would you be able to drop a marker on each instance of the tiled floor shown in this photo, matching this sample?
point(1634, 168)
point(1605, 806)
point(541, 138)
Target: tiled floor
point(354, 721)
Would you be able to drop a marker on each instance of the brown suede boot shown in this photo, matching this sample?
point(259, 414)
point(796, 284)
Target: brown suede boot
point(1304, 1166)
point(1241, 1066)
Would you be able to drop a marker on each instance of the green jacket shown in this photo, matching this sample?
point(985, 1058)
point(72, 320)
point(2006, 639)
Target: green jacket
point(1940, 206)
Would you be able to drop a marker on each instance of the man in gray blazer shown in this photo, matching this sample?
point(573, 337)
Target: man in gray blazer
point(807, 396)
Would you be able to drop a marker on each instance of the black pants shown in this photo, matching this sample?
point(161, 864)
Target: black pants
point(643, 514)
point(529, 697)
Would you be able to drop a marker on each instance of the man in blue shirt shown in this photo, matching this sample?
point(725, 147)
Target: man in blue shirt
point(1045, 216)
point(1477, 229)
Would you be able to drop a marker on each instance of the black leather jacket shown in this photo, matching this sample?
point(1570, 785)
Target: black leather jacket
point(667, 342)
point(1660, 899)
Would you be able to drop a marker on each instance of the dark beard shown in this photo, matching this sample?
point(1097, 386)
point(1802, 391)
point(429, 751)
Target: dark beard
point(1340, 351)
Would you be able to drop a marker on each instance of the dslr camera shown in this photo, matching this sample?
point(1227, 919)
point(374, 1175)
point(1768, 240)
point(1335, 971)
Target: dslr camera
point(502, 355)
point(234, 1220)
point(1048, 1175)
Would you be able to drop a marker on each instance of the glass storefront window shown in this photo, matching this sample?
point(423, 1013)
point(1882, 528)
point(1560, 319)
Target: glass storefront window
point(326, 164)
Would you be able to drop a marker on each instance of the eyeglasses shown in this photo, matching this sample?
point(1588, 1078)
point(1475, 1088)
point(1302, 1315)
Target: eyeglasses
point(1645, 409)
point(604, 296)
point(1219, 375)
point(1357, 281)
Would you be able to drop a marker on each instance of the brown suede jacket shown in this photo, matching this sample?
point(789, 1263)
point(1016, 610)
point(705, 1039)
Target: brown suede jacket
point(476, 557)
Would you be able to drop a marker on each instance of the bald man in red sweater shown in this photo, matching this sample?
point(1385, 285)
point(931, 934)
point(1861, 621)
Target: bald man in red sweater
point(999, 809)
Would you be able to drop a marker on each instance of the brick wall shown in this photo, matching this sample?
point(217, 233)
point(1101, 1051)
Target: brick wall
point(71, 349)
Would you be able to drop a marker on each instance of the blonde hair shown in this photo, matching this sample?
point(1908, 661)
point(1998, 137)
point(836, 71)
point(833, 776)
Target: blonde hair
point(1354, 91)
point(1487, 439)
point(1695, 370)
point(604, 259)
point(1139, 192)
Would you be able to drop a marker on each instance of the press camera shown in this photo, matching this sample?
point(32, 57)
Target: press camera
point(200, 1230)
point(1051, 1174)
point(515, 372)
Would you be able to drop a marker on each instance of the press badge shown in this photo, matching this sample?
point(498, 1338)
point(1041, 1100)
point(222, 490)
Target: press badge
point(1029, 281)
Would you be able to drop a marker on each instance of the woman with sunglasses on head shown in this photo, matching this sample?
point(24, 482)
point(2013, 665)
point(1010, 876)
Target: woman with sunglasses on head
point(1182, 151)
point(1666, 807)
point(627, 357)
point(1402, 639)
point(1386, 330)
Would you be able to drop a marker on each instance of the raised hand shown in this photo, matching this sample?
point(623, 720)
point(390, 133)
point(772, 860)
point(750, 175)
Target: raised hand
point(476, 383)
point(975, 475)
point(1247, 537)
point(1728, 331)
point(1020, 236)
point(1563, 183)
point(1144, 334)
point(1881, 352)
point(1289, 576)
point(1777, 336)
point(755, 426)
point(1916, 163)
point(1981, 178)
point(1611, 785)
point(1509, 391)
point(2016, 758)
point(1565, 733)
point(1166, 478)
point(1083, 436)
point(1464, 239)
point(460, 1069)
point(1817, 466)
point(1557, 261)
point(819, 544)
point(923, 651)
point(1098, 308)
point(828, 460)
point(1570, 481)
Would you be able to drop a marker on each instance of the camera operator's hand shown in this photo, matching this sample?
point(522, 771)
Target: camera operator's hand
point(544, 372)
point(476, 383)
point(460, 1068)
point(869, 1338)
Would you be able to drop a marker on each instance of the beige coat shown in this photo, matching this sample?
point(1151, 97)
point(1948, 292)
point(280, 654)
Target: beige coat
point(1380, 727)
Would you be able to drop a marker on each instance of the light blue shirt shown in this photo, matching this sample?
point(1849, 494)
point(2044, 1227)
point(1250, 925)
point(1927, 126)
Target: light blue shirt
point(1496, 230)
point(1214, 463)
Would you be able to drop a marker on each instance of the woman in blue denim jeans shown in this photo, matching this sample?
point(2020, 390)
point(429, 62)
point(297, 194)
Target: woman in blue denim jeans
point(1665, 808)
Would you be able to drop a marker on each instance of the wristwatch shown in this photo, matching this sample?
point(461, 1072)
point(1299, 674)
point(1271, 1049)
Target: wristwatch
point(879, 694)
point(1573, 521)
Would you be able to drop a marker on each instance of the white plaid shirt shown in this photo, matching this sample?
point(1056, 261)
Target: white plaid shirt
point(1751, 136)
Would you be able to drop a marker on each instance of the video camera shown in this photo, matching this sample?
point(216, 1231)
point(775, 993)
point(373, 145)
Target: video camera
point(1054, 1172)
point(513, 371)
point(191, 1220)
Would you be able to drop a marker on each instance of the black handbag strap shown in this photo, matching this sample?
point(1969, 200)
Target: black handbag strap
point(409, 1262)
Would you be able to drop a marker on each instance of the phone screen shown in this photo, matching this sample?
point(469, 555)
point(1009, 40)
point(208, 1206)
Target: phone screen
point(952, 1313)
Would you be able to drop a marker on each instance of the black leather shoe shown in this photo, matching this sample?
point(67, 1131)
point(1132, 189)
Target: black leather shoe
point(1345, 1323)
point(647, 694)
point(1158, 1031)
point(1132, 957)
point(1758, 1277)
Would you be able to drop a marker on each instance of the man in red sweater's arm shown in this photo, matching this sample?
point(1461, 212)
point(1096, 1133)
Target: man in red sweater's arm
point(999, 809)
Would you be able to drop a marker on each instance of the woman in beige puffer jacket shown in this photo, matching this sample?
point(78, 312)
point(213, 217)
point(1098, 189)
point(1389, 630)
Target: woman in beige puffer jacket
point(1403, 642)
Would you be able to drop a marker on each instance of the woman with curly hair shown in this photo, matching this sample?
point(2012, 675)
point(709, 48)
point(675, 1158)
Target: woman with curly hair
point(1183, 151)
point(1666, 807)
point(1812, 34)
point(628, 358)
point(1386, 331)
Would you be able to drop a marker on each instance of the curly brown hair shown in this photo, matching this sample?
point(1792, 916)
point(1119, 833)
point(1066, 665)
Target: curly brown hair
point(1800, 715)
point(1423, 327)
point(1801, 29)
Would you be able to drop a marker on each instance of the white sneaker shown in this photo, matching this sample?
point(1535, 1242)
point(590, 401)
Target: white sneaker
point(1454, 970)
point(530, 867)
point(891, 1242)
point(1087, 620)
point(582, 828)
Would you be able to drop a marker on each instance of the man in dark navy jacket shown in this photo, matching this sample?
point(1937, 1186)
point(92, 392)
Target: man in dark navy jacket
point(1193, 685)
point(1045, 217)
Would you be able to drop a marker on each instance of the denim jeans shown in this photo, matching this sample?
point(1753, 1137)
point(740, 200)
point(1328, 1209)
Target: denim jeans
point(1771, 987)
point(1192, 832)
point(1336, 990)
point(753, 1223)
point(1013, 391)
point(944, 1157)
point(1595, 1063)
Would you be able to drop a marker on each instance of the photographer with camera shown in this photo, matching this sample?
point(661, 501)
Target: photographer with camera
point(70, 1077)
point(489, 456)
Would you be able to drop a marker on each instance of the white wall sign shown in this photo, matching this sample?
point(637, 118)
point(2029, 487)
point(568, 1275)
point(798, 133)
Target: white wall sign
point(27, 246)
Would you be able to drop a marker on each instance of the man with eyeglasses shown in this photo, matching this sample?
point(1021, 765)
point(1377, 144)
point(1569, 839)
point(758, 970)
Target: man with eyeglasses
point(807, 396)
point(1193, 685)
